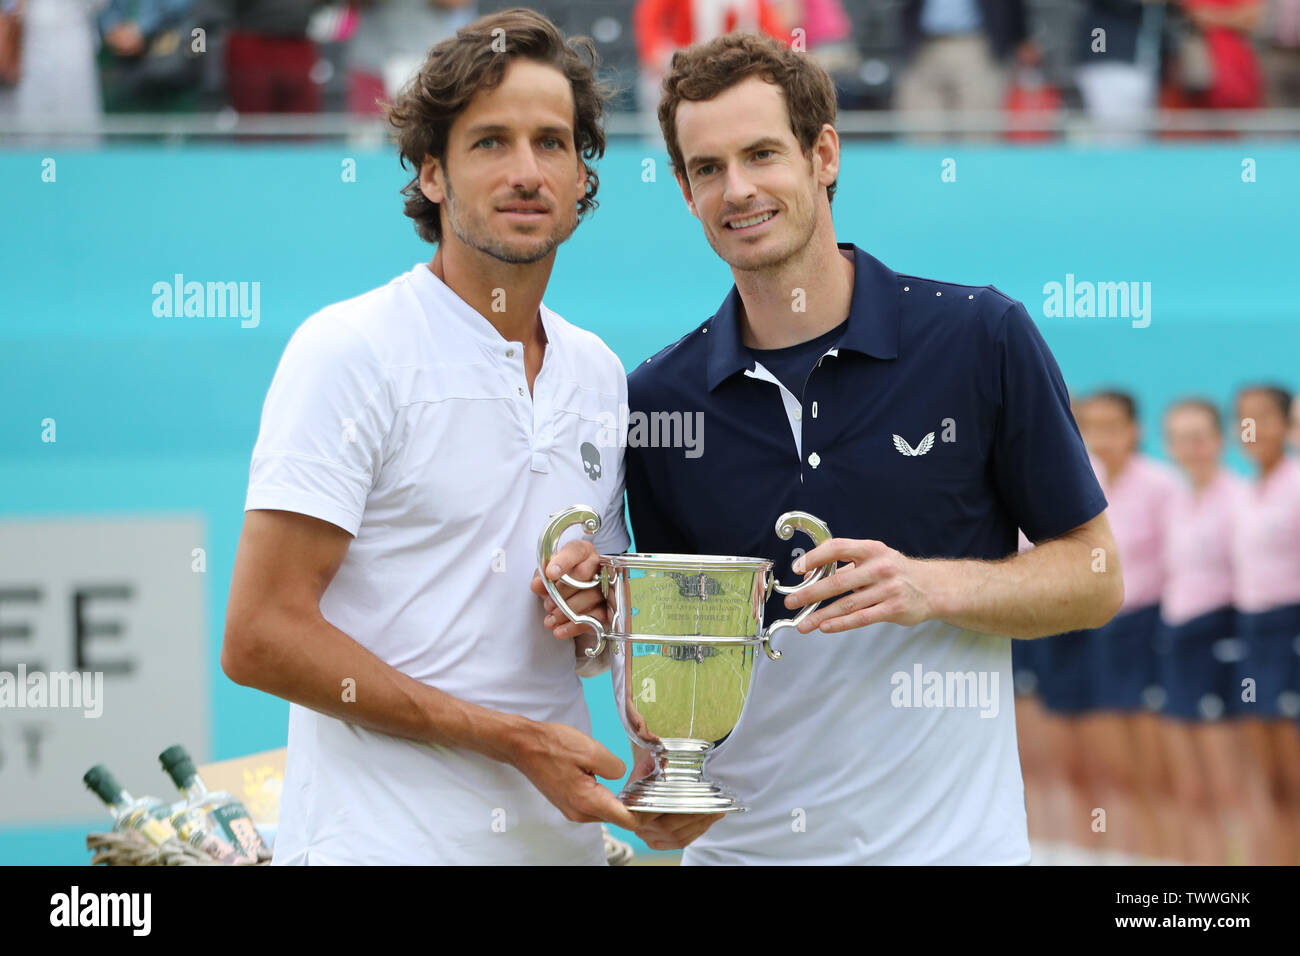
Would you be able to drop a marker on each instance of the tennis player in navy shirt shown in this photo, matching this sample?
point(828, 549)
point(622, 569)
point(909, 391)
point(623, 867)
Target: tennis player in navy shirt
point(925, 422)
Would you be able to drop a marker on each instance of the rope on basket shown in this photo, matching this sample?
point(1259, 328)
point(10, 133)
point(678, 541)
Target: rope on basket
point(129, 849)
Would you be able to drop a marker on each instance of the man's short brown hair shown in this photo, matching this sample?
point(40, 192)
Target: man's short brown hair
point(473, 60)
point(705, 70)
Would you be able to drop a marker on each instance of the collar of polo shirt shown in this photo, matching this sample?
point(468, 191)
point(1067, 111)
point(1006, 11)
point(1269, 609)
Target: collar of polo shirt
point(470, 319)
point(874, 315)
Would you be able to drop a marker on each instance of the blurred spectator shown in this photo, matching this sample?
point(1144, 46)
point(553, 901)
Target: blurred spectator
point(390, 42)
point(147, 62)
point(1030, 94)
point(955, 53)
point(11, 42)
point(1280, 52)
point(1052, 25)
point(1266, 569)
point(1119, 62)
point(664, 26)
point(269, 57)
point(1293, 434)
point(1216, 35)
point(827, 32)
point(56, 79)
point(827, 37)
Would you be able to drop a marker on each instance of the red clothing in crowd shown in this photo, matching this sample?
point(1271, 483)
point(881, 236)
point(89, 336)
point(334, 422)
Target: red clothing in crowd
point(1238, 82)
point(270, 74)
point(675, 24)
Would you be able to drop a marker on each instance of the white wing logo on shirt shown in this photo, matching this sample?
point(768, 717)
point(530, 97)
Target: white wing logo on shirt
point(922, 447)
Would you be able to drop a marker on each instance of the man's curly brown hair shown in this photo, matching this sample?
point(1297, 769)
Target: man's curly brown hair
point(475, 59)
point(705, 70)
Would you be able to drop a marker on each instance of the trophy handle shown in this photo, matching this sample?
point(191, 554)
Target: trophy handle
point(786, 526)
point(547, 544)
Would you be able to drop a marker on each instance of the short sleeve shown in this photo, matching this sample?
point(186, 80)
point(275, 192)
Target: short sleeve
point(323, 424)
point(1040, 465)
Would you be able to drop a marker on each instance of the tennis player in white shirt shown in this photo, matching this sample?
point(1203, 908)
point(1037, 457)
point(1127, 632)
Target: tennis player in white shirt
point(413, 442)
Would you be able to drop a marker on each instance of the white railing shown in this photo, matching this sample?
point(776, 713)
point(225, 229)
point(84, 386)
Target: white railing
point(1069, 125)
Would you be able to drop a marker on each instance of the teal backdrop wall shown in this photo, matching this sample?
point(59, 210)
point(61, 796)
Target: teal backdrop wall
point(160, 414)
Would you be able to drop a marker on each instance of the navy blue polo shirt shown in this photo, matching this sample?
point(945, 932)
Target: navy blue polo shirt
point(938, 423)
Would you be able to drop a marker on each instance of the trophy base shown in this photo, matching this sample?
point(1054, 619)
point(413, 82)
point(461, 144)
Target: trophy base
point(677, 784)
point(651, 795)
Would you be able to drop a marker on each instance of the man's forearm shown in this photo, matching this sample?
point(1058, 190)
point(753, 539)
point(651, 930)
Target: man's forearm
point(1062, 585)
point(310, 662)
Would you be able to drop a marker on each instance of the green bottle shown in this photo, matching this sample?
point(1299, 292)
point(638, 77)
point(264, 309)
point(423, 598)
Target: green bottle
point(230, 821)
point(147, 816)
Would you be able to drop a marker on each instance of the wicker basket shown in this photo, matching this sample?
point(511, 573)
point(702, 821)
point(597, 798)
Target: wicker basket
point(128, 849)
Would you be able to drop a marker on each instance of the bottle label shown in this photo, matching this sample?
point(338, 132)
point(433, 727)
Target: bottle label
point(155, 831)
point(193, 829)
point(236, 825)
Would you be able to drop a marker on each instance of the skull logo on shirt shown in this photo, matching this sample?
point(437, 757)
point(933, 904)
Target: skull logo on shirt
point(590, 460)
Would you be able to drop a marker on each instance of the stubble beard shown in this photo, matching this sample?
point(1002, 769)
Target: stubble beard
point(501, 251)
point(779, 259)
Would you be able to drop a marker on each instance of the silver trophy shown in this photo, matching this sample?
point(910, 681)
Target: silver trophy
point(685, 629)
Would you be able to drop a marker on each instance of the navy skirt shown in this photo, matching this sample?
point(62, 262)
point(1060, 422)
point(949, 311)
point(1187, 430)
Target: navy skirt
point(1124, 673)
point(1196, 665)
point(1065, 675)
point(1269, 672)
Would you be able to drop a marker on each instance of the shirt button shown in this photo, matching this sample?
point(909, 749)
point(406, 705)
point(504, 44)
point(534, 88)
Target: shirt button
point(510, 353)
point(814, 459)
point(521, 391)
point(798, 413)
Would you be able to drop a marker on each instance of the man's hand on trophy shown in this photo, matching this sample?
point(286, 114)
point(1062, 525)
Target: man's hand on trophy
point(882, 585)
point(581, 561)
point(666, 831)
point(563, 763)
point(674, 831)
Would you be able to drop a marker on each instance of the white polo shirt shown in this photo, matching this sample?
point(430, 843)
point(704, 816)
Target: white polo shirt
point(403, 417)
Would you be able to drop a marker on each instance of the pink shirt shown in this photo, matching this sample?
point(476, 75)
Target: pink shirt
point(825, 21)
point(1139, 501)
point(1266, 540)
point(1198, 549)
